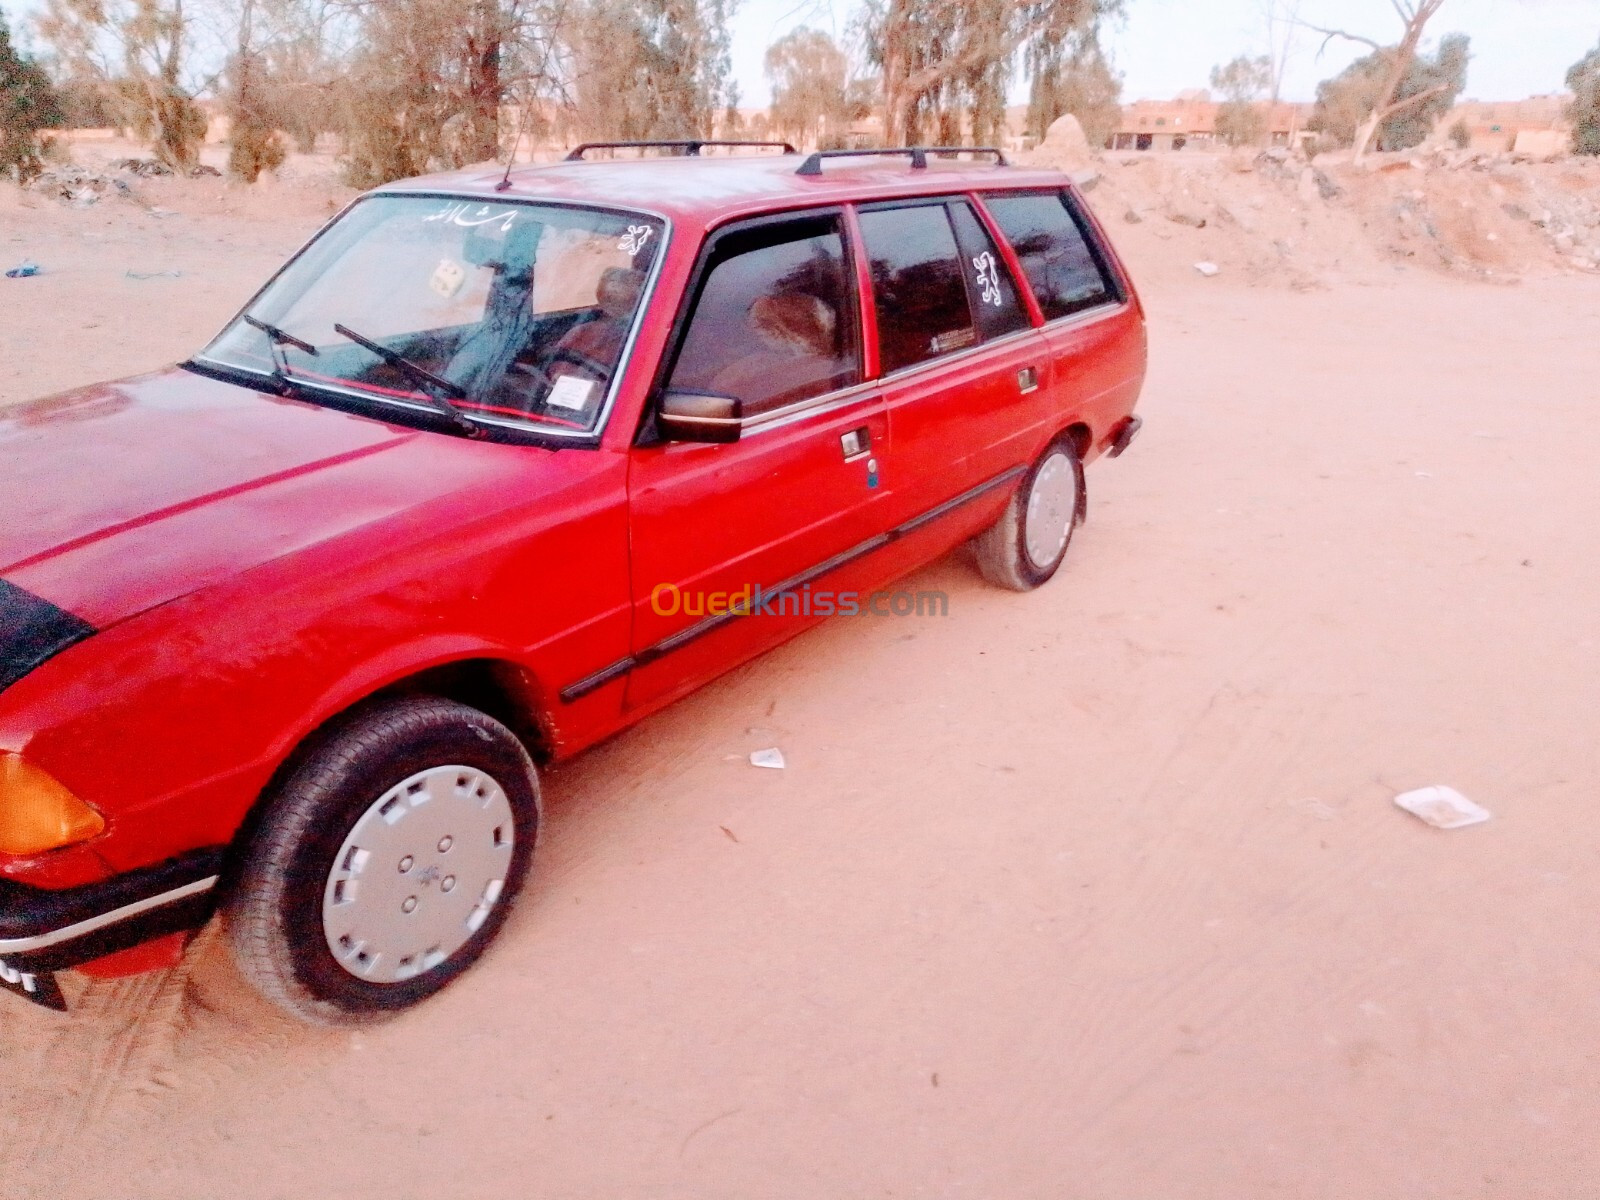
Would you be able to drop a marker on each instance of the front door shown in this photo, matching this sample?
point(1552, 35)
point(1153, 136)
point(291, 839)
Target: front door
point(717, 530)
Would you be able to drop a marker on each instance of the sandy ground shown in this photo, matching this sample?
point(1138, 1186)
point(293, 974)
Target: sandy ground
point(1096, 893)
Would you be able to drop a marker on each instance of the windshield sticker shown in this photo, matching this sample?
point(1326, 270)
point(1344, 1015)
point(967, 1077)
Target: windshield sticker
point(448, 277)
point(570, 392)
point(470, 218)
point(988, 278)
point(634, 240)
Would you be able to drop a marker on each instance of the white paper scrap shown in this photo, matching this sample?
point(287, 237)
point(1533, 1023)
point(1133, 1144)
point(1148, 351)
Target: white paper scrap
point(1442, 807)
point(771, 759)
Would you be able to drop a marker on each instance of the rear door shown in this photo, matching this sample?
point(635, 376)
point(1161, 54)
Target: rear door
point(773, 319)
point(1085, 308)
point(962, 366)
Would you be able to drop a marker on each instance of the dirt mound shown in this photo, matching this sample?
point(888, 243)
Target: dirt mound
point(1276, 218)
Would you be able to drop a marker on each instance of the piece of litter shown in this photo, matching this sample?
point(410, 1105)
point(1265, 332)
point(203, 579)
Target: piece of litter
point(27, 269)
point(1442, 807)
point(1209, 269)
point(154, 274)
point(771, 759)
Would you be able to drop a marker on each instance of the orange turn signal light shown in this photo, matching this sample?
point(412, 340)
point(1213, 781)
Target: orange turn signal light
point(38, 813)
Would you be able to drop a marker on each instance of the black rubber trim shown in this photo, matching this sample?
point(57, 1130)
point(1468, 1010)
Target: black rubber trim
point(33, 631)
point(27, 911)
point(1126, 432)
point(700, 629)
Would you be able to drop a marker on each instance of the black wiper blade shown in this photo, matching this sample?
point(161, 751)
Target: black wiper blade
point(279, 337)
point(424, 377)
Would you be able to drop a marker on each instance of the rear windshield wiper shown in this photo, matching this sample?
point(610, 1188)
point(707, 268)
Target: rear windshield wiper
point(449, 391)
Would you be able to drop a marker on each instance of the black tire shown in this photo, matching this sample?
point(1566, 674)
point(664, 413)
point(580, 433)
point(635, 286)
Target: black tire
point(273, 916)
point(1002, 549)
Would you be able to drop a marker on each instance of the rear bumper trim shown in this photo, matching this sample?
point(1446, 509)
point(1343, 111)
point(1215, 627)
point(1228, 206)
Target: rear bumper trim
point(1123, 438)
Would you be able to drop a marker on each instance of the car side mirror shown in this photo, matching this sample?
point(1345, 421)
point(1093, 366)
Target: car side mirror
point(700, 417)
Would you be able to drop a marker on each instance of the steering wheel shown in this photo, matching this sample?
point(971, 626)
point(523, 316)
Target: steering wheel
point(576, 358)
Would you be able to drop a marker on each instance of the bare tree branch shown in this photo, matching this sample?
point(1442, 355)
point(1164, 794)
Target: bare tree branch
point(1330, 34)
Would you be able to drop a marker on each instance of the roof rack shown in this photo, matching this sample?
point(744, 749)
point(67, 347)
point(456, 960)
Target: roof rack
point(917, 154)
point(689, 146)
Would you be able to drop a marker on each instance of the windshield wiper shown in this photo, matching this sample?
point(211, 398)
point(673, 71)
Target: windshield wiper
point(424, 377)
point(277, 339)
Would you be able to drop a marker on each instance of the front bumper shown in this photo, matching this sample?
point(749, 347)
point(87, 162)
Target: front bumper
point(50, 930)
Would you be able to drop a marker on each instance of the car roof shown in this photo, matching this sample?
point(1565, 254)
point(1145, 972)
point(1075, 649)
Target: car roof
point(705, 191)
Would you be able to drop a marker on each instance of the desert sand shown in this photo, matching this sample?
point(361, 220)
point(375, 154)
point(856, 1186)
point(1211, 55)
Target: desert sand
point(1098, 892)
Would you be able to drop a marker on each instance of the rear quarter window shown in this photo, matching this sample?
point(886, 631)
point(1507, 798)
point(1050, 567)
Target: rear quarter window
point(1057, 254)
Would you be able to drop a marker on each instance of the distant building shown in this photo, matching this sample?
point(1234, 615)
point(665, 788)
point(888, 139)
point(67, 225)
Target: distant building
point(1190, 123)
point(1495, 127)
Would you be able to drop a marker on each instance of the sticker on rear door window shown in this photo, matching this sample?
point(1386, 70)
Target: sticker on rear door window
point(988, 278)
point(956, 339)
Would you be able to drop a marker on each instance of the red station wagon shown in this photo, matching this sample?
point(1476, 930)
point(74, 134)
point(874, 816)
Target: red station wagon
point(496, 466)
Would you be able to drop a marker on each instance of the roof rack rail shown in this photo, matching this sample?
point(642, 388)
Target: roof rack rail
point(917, 154)
point(689, 146)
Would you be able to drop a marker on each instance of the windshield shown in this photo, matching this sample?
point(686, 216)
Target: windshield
point(520, 311)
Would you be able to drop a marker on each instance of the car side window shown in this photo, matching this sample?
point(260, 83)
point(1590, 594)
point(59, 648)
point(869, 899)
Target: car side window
point(989, 284)
point(774, 321)
point(917, 284)
point(1057, 256)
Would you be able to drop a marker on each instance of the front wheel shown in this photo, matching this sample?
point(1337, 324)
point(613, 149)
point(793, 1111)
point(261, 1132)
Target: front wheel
point(1025, 548)
point(385, 863)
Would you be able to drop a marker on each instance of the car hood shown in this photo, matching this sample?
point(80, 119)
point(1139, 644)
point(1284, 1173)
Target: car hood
point(126, 495)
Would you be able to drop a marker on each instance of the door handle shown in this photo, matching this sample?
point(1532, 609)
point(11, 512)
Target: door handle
point(1028, 380)
point(856, 444)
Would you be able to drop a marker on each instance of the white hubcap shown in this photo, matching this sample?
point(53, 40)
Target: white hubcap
point(1052, 509)
point(419, 874)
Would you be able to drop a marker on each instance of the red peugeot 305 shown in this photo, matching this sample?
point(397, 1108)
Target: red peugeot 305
point(286, 630)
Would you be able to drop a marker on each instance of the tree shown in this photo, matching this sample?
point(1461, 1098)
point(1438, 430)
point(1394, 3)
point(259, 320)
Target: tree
point(1242, 82)
point(1389, 99)
point(253, 142)
point(1584, 80)
point(1283, 30)
point(1075, 78)
point(948, 62)
point(427, 80)
point(137, 51)
point(27, 104)
point(646, 69)
point(812, 102)
point(1346, 104)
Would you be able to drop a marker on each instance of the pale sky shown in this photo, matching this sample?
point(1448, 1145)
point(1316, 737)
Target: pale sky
point(1520, 47)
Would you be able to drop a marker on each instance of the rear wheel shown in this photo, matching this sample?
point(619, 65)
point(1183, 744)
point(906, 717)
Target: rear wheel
point(386, 862)
point(1025, 548)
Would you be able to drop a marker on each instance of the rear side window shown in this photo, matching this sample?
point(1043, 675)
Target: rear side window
point(918, 284)
point(990, 287)
point(1057, 257)
point(774, 322)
